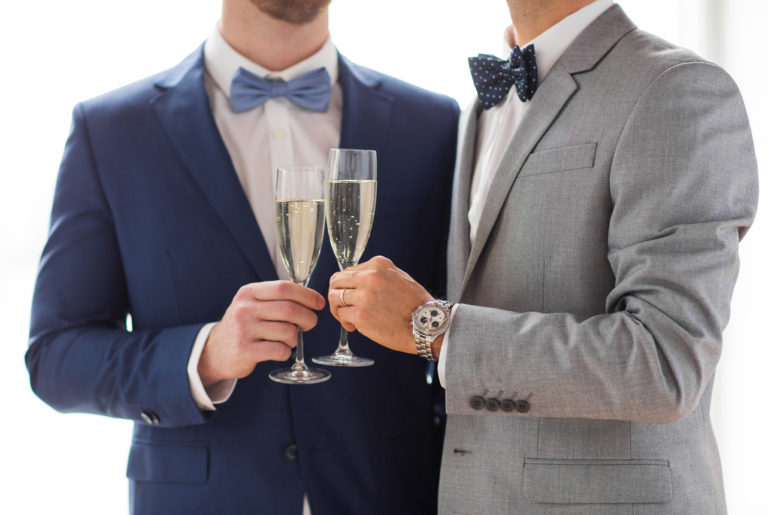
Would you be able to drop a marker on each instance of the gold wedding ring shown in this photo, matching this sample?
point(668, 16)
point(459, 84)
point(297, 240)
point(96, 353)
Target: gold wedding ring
point(341, 298)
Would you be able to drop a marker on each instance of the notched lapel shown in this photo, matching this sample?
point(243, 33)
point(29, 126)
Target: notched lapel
point(184, 111)
point(552, 95)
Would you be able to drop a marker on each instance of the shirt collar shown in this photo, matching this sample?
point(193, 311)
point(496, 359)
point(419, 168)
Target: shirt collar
point(553, 42)
point(222, 61)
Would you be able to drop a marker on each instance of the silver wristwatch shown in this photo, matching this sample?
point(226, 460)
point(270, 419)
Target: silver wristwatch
point(429, 321)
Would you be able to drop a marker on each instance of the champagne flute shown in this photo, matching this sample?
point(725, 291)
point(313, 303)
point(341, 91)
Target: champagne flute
point(300, 218)
point(350, 203)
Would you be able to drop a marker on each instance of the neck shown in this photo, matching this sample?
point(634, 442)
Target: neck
point(532, 17)
point(271, 43)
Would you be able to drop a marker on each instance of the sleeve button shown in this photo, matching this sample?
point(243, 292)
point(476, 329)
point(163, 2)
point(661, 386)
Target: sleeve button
point(477, 402)
point(507, 405)
point(492, 404)
point(523, 406)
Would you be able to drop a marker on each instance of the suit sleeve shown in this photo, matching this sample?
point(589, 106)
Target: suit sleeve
point(683, 185)
point(81, 358)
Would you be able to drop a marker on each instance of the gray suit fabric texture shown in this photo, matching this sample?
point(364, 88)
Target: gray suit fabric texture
point(598, 286)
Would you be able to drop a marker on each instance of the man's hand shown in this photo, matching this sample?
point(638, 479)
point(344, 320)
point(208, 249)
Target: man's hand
point(379, 300)
point(259, 325)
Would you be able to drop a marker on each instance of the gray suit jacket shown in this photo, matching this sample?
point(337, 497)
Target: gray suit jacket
point(598, 287)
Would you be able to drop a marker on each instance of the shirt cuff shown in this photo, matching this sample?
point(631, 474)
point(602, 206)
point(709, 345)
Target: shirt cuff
point(444, 350)
point(205, 398)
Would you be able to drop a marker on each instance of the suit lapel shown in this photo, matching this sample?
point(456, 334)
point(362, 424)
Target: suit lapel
point(366, 110)
point(553, 93)
point(550, 98)
point(458, 238)
point(184, 111)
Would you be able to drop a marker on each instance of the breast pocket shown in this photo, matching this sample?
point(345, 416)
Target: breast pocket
point(558, 160)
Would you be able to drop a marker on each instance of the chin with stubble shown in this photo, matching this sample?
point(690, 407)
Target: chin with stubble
point(297, 12)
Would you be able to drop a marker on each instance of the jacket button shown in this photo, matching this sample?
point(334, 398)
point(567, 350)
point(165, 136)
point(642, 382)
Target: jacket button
point(523, 406)
point(477, 402)
point(492, 404)
point(291, 453)
point(508, 405)
point(150, 418)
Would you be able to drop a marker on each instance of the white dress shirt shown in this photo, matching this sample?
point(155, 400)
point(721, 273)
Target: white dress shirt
point(259, 141)
point(496, 126)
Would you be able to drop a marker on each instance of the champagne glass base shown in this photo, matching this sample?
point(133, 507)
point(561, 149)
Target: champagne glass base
point(306, 376)
point(343, 360)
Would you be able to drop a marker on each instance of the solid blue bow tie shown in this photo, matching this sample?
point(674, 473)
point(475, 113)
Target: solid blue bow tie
point(311, 91)
point(493, 77)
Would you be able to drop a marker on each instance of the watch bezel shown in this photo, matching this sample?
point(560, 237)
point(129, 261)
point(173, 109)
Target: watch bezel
point(428, 331)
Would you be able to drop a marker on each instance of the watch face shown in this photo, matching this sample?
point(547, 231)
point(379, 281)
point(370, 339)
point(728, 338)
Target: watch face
point(431, 319)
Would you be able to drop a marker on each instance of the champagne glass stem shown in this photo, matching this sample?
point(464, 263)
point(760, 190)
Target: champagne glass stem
point(342, 349)
point(298, 363)
point(343, 343)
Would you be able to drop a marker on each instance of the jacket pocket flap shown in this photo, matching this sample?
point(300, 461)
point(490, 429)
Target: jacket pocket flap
point(560, 159)
point(597, 481)
point(168, 463)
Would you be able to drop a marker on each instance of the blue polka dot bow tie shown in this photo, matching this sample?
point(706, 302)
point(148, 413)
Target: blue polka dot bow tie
point(311, 91)
point(493, 77)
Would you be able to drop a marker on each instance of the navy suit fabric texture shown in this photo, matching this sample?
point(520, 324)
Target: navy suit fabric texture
point(150, 219)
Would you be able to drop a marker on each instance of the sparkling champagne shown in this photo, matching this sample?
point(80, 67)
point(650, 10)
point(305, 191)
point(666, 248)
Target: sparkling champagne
point(300, 232)
point(350, 208)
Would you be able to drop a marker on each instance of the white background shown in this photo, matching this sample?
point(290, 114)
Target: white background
point(56, 53)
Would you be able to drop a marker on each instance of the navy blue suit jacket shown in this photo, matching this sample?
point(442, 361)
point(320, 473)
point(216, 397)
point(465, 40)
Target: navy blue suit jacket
point(149, 219)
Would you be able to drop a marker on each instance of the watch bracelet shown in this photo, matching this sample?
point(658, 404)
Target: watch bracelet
point(424, 348)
